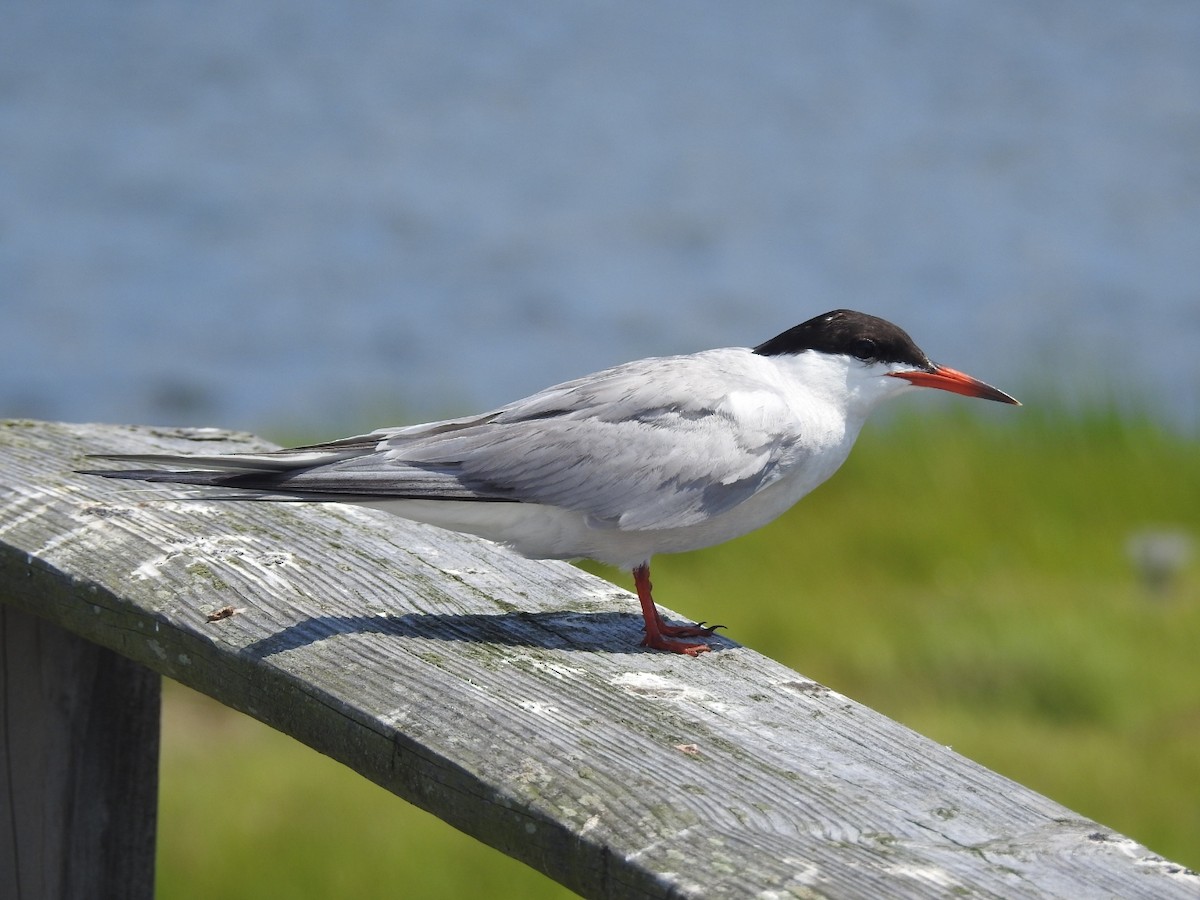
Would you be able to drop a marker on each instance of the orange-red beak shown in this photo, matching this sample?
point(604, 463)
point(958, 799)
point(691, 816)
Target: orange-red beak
point(947, 379)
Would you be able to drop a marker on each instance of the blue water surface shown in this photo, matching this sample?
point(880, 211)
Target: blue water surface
point(336, 215)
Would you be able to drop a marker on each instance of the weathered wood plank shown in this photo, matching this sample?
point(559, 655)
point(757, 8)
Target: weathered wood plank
point(508, 697)
point(79, 729)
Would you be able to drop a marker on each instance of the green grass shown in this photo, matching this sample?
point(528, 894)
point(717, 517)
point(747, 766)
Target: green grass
point(965, 575)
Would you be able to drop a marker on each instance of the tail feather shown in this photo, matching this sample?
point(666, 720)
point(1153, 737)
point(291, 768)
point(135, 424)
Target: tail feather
point(349, 471)
point(195, 476)
point(276, 461)
point(325, 484)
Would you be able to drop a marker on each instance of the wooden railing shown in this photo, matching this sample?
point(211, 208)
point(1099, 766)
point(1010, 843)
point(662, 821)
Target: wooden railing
point(507, 696)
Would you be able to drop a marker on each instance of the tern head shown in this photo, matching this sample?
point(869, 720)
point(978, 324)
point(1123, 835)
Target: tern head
point(862, 359)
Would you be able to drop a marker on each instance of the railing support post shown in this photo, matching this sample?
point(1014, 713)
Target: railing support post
point(79, 736)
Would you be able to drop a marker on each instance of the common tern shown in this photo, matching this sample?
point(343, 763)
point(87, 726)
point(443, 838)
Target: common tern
point(659, 455)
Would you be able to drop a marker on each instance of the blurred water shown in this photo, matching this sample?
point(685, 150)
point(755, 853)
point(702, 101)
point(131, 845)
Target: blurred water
point(324, 214)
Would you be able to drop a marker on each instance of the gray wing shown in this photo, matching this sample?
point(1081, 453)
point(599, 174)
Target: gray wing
point(641, 446)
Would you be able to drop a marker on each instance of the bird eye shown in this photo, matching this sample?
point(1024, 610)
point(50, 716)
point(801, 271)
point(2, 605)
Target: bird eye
point(865, 349)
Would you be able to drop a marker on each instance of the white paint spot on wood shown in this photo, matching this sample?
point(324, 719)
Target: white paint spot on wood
point(558, 670)
point(538, 708)
point(651, 684)
point(931, 875)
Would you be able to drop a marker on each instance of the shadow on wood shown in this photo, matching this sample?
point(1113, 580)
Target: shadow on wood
point(601, 632)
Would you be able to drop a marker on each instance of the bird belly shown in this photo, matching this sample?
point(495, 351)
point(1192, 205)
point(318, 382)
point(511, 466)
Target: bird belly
point(532, 529)
point(549, 532)
point(544, 532)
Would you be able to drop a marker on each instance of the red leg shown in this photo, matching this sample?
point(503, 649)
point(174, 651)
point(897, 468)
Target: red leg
point(658, 633)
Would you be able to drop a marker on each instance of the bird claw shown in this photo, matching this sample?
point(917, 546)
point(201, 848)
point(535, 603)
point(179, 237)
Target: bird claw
point(700, 629)
point(660, 642)
point(664, 638)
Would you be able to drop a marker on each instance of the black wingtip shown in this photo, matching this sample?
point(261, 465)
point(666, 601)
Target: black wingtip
point(132, 474)
point(160, 475)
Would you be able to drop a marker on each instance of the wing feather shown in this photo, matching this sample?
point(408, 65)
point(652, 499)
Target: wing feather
point(642, 446)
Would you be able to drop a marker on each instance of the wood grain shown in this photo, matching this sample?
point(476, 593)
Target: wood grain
point(510, 698)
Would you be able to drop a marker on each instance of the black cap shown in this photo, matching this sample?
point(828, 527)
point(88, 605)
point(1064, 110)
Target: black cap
point(849, 333)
